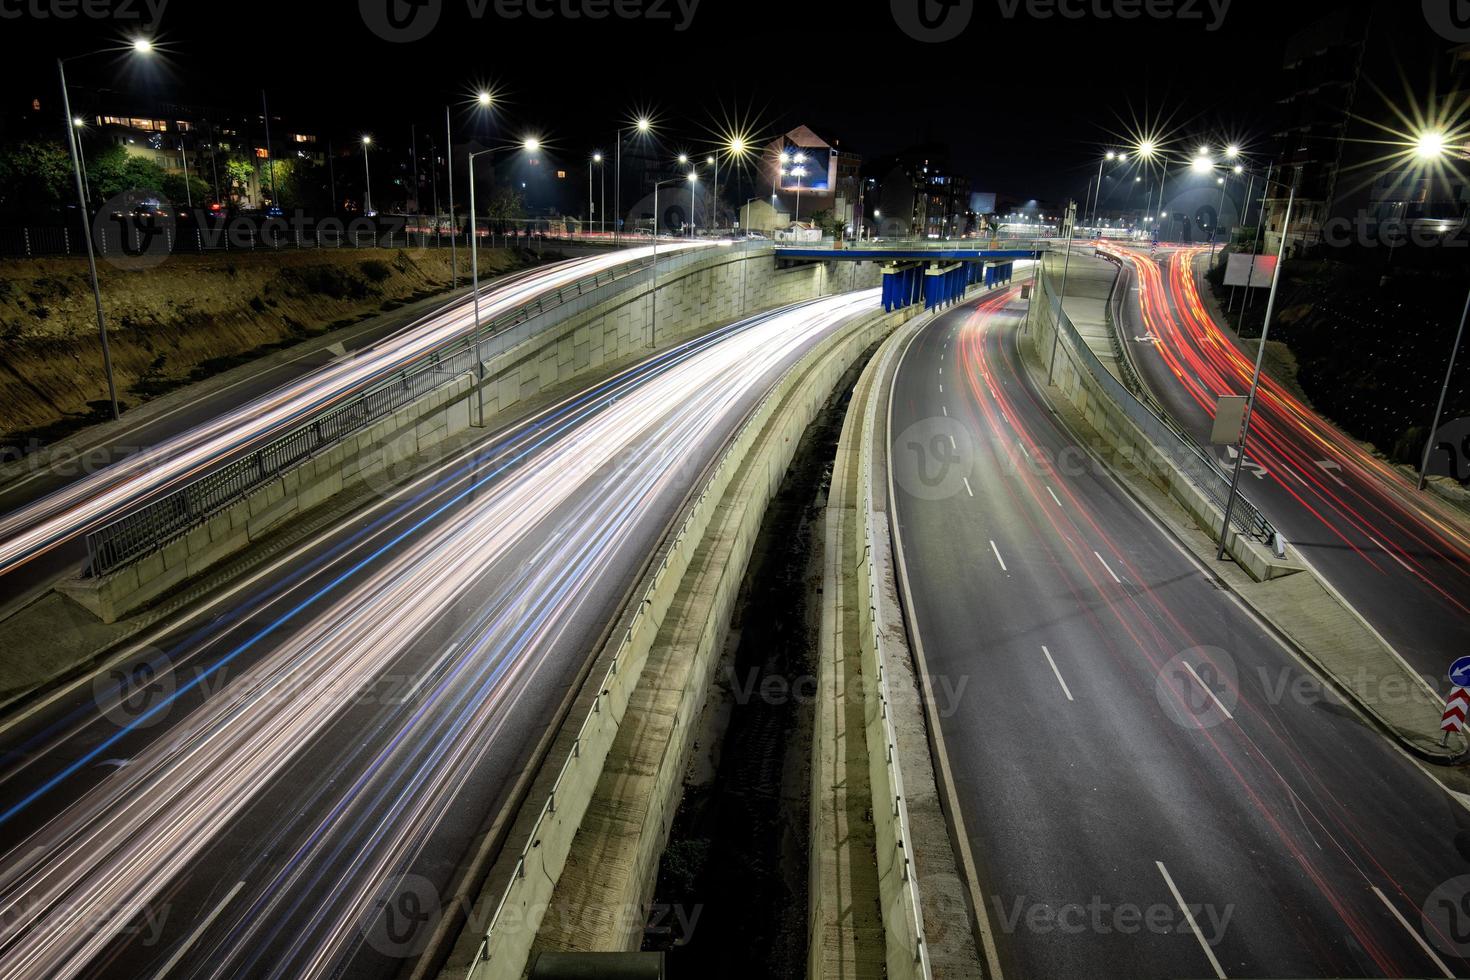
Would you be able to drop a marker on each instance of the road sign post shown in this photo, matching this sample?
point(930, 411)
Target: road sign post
point(1457, 705)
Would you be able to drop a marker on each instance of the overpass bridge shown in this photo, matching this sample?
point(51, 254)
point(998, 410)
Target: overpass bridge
point(935, 273)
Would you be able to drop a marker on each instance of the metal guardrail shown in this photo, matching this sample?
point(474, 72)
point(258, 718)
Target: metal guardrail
point(155, 524)
point(1201, 468)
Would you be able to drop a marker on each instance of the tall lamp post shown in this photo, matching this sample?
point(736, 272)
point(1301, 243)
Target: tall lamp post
point(643, 125)
point(367, 174)
point(1430, 147)
point(591, 211)
point(530, 145)
point(1250, 402)
point(1097, 202)
point(141, 46)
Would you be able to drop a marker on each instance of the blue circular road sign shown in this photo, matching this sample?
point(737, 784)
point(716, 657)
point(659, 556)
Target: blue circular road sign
point(1460, 672)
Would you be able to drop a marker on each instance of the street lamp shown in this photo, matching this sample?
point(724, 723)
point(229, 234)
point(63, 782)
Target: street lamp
point(713, 161)
point(530, 145)
point(143, 46)
point(1250, 402)
point(693, 184)
point(602, 171)
point(486, 100)
point(643, 125)
point(1111, 156)
point(1430, 147)
point(367, 207)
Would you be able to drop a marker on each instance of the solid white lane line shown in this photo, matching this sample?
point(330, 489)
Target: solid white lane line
point(1211, 693)
point(967, 486)
point(173, 960)
point(998, 557)
point(1411, 931)
point(1054, 496)
point(1109, 568)
point(1189, 917)
point(1065, 690)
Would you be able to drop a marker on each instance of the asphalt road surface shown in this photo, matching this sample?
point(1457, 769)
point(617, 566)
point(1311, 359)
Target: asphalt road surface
point(1151, 785)
point(283, 784)
point(43, 535)
point(1399, 557)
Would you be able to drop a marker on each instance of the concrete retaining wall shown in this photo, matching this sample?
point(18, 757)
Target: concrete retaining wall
point(579, 338)
point(1126, 445)
point(734, 501)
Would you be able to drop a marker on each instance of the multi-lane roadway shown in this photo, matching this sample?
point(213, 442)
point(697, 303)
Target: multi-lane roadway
point(47, 516)
point(1149, 783)
point(1400, 557)
point(245, 793)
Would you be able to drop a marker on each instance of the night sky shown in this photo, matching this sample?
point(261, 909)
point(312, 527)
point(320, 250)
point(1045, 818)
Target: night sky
point(1024, 103)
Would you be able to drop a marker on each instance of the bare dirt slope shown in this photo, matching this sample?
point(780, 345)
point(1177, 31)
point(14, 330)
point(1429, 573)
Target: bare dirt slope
point(184, 319)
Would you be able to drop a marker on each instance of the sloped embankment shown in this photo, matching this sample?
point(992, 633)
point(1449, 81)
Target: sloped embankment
point(183, 320)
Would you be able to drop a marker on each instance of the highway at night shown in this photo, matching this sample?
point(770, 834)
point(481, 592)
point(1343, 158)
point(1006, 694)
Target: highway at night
point(1400, 557)
point(1122, 749)
point(92, 499)
point(356, 706)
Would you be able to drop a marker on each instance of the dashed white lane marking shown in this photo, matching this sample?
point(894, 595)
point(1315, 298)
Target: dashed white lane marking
point(967, 486)
point(952, 443)
point(198, 931)
point(945, 410)
point(1200, 680)
point(1054, 496)
point(1410, 930)
point(1023, 448)
point(941, 389)
point(998, 557)
point(1065, 690)
point(1189, 917)
point(1109, 568)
